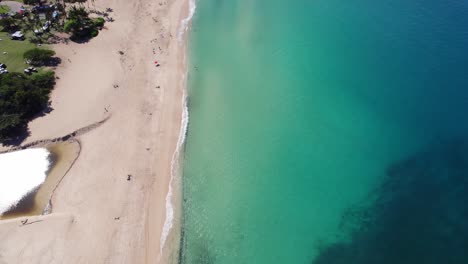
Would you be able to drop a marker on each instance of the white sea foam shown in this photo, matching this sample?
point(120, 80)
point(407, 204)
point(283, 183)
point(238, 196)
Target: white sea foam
point(184, 25)
point(20, 173)
point(169, 220)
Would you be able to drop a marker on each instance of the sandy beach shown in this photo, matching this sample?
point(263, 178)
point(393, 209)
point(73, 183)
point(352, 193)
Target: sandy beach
point(111, 205)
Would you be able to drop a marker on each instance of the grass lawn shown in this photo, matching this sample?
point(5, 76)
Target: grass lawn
point(14, 49)
point(4, 9)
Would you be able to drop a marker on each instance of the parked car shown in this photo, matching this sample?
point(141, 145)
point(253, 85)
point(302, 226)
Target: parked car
point(18, 35)
point(46, 26)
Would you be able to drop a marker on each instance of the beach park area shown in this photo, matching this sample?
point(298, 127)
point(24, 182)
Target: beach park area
point(118, 202)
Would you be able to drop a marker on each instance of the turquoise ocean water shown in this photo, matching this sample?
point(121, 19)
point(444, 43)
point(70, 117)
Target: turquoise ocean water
point(327, 131)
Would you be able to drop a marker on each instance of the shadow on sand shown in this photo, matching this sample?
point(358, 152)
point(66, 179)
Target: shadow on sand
point(23, 132)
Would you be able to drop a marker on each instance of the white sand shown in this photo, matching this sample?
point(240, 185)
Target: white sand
point(99, 216)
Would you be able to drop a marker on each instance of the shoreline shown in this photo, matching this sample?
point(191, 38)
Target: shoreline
point(116, 191)
point(169, 244)
point(174, 210)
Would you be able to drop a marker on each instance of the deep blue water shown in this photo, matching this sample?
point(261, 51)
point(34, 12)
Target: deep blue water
point(327, 131)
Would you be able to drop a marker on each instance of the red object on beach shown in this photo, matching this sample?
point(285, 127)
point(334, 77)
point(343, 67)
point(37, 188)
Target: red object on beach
point(155, 62)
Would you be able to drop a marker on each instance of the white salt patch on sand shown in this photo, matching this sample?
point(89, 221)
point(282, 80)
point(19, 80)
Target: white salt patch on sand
point(21, 172)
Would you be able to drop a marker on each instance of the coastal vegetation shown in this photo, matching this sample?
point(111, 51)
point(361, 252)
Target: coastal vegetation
point(30, 2)
point(9, 24)
point(39, 57)
point(40, 22)
point(80, 25)
point(11, 52)
point(75, 1)
point(22, 97)
point(25, 90)
point(4, 9)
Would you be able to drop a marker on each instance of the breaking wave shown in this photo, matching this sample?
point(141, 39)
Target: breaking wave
point(184, 25)
point(169, 220)
point(168, 223)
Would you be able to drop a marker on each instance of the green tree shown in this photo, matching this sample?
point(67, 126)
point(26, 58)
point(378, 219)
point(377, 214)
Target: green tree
point(77, 21)
point(80, 25)
point(22, 97)
point(75, 1)
point(99, 22)
point(39, 56)
point(9, 24)
point(78, 13)
point(31, 2)
point(10, 124)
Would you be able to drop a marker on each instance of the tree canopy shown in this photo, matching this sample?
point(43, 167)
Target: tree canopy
point(21, 98)
point(80, 25)
point(8, 24)
point(31, 2)
point(39, 56)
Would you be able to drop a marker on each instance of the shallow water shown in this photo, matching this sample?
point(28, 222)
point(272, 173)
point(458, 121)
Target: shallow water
point(310, 123)
point(21, 172)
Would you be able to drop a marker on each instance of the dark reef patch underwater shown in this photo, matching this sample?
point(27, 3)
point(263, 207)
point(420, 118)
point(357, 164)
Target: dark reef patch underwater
point(419, 214)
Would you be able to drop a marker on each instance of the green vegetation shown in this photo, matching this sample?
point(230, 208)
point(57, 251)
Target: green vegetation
point(22, 97)
point(80, 25)
point(38, 57)
point(4, 9)
point(14, 51)
point(29, 2)
point(9, 24)
point(99, 22)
